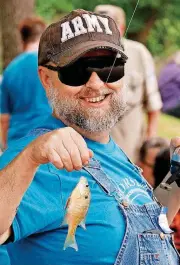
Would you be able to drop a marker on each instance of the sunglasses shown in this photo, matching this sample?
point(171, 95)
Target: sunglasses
point(78, 73)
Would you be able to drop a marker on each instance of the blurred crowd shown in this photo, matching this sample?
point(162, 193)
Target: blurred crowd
point(24, 104)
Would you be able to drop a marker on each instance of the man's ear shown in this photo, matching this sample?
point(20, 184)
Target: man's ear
point(122, 29)
point(45, 78)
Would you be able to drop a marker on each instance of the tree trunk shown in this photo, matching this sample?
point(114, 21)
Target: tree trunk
point(11, 13)
point(0, 49)
point(143, 35)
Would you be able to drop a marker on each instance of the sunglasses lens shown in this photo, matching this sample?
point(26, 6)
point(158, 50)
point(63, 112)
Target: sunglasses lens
point(73, 75)
point(79, 72)
point(109, 74)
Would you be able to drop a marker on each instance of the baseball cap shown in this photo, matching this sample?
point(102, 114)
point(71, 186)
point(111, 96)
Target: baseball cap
point(77, 33)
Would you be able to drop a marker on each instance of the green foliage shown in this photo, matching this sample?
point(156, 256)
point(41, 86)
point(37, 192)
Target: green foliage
point(51, 8)
point(164, 36)
point(145, 9)
point(168, 126)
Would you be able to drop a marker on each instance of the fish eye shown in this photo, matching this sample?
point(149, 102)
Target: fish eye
point(86, 197)
point(87, 185)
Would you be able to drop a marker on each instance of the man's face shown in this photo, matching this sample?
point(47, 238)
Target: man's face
point(95, 106)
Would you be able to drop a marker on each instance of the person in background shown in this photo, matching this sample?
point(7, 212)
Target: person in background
point(169, 85)
point(23, 100)
point(143, 94)
point(161, 169)
point(147, 155)
point(176, 228)
point(161, 165)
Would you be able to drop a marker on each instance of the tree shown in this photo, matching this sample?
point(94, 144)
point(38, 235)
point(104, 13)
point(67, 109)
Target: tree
point(49, 9)
point(155, 23)
point(164, 38)
point(11, 13)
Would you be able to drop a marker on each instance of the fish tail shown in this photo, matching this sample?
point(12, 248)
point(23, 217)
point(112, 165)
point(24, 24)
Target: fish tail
point(70, 242)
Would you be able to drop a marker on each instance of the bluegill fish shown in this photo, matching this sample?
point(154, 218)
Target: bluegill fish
point(76, 210)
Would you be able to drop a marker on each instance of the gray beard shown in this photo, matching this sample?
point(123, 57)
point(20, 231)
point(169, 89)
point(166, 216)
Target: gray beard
point(89, 119)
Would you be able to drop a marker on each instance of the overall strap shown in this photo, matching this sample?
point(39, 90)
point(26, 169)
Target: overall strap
point(108, 185)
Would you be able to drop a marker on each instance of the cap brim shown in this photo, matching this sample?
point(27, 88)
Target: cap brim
point(75, 53)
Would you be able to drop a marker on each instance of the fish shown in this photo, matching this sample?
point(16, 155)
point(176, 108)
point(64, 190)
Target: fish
point(76, 210)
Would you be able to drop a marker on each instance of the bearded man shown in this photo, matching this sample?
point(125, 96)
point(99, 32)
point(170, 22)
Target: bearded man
point(84, 84)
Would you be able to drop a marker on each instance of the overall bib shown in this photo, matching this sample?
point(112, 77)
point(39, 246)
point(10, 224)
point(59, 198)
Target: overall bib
point(145, 242)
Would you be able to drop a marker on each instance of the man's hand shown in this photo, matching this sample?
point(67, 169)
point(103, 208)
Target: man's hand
point(170, 198)
point(64, 148)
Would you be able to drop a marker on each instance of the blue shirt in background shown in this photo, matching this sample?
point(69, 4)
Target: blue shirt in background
point(38, 235)
point(23, 96)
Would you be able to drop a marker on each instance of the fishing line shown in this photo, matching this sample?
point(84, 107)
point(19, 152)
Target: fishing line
point(125, 36)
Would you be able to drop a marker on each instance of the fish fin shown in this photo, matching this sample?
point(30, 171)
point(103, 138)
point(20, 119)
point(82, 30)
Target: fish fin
point(70, 243)
point(82, 224)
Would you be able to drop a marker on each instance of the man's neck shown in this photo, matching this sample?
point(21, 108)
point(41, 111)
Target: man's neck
point(32, 46)
point(101, 137)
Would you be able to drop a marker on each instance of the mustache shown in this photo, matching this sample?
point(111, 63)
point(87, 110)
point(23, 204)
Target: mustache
point(89, 92)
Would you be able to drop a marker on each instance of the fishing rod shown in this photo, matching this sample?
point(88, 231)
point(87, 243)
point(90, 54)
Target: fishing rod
point(124, 36)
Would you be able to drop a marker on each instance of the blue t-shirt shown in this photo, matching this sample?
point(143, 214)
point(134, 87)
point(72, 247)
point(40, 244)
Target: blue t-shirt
point(38, 235)
point(23, 96)
point(4, 257)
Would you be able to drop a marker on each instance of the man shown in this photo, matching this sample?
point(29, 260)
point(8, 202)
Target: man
point(169, 84)
point(142, 91)
point(23, 100)
point(75, 57)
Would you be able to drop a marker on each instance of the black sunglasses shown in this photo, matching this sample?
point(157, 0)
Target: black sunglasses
point(79, 72)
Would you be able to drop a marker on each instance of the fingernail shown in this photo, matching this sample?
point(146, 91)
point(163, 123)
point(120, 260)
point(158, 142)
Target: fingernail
point(86, 162)
point(78, 168)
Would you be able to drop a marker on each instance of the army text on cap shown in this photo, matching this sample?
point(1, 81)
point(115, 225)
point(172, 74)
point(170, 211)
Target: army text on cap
point(75, 27)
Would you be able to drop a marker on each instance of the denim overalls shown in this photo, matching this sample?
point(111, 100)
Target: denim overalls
point(144, 243)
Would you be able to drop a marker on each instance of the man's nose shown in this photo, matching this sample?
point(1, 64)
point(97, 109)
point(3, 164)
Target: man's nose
point(94, 81)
